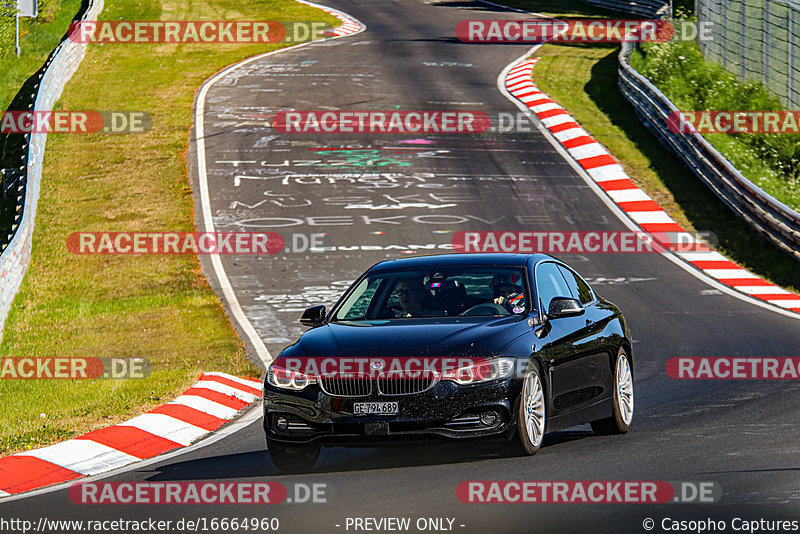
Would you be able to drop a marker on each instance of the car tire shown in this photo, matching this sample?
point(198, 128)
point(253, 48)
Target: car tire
point(620, 421)
point(292, 458)
point(531, 414)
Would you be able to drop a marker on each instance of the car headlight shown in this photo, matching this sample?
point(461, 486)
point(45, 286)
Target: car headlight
point(482, 371)
point(284, 379)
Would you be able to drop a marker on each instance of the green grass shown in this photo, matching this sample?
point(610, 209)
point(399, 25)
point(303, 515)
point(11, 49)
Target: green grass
point(39, 37)
point(584, 81)
point(771, 161)
point(155, 307)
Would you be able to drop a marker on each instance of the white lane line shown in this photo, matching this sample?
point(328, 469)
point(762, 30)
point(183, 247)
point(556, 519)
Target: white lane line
point(205, 197)
point(112, 459)
point(615, 172)
point(253, 416)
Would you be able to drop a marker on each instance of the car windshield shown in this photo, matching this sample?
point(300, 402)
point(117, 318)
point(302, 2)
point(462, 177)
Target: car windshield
point(431, 292)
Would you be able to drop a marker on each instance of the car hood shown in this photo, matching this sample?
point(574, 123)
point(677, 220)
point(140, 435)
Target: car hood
point(469, 337)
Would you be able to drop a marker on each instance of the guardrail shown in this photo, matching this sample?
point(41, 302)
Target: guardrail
point(776, 221)
point(14, 259)
point(648, 9)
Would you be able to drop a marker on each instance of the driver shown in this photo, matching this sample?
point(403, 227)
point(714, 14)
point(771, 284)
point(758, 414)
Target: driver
point(411, 293)
point(507, 293)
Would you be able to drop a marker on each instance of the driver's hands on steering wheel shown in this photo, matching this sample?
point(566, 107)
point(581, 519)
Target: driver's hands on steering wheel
point(510, 301)
point(503, 301)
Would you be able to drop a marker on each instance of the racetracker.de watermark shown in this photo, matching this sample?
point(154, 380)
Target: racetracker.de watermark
point(205, 492)
point(569, 491)
point(529, 242)
point(20, 368)
point(74, 122)
point(564, 31)
point(200, 32)
point(733, 368)
point(734, 122)
point(466, 368)
point(474, 122)
point(385, 122)
point(587, 491)
point(247, 243)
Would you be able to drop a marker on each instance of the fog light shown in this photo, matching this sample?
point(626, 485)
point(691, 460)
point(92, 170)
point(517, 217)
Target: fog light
point(490, 418)
point(281, 423)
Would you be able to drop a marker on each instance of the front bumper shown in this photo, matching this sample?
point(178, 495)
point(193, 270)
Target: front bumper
point(447, 410)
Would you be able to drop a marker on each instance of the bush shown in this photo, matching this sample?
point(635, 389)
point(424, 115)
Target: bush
point(681, 72)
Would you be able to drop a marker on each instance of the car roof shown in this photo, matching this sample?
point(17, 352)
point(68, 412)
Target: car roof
point(446, 260)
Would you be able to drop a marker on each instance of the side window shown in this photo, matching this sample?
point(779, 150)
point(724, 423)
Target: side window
point(550, 283)
point(358, 303)
point(578, 287)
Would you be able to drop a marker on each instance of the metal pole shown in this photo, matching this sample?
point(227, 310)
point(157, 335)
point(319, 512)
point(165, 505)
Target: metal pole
point(793, 101)
point(16, 34)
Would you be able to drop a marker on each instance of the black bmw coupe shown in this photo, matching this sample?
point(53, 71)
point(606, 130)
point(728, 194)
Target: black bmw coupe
point(452, 346)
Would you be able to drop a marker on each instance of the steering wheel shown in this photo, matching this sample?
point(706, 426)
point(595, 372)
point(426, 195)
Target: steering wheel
point(486, 308)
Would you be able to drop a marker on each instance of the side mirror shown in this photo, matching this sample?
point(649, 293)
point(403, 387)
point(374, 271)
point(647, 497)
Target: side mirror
point(564, 307)
point(313, 316)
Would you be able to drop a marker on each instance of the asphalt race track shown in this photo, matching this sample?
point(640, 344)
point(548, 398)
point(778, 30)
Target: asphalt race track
point(395, 195)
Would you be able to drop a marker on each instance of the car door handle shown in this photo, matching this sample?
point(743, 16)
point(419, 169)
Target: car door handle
point(589, 322)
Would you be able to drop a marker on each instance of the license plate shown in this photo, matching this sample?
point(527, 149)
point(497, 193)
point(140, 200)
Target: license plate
point(376, 408)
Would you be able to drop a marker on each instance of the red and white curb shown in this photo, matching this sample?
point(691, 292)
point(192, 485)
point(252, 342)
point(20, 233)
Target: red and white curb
point(637, 205)
point(349, 25)
point(214, 400)
point(211, 402)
